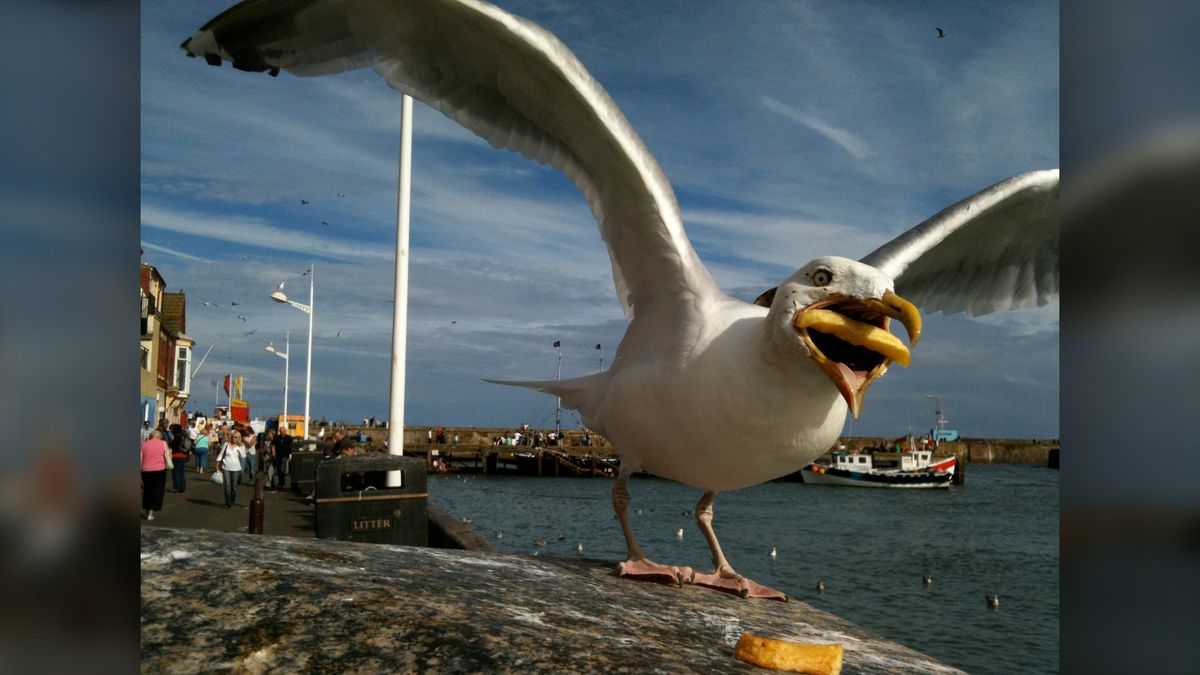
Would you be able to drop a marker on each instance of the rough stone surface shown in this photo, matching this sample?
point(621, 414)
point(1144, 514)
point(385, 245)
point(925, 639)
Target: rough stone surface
point(227, 601)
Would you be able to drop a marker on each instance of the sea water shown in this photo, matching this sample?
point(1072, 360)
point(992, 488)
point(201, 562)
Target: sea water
point(998, 534)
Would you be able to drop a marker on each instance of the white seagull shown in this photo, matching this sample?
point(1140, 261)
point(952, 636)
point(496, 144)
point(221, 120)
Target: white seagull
point(698, 372)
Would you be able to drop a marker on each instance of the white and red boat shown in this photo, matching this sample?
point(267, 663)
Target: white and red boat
point(906, 469)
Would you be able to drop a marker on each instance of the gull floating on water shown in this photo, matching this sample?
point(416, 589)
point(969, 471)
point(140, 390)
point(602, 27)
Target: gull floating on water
point(821, 586)
point(993, 601)
point(774, 553)
point(697, 372)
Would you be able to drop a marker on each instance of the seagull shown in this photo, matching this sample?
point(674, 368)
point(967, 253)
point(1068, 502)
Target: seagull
point(304, 202)
point(306, 272)
point(281, 285)
point(324, 222)
point(579, 549)
point(209, 304)
point(679, 533)
point(993, 601)
point(697, 371)
point(561, 536)
point(340, 194)
point(941, 33)
point(821, 586)
point(540, 543)
point(252, 331)
point(233, 304)
point(926, 579)
point(339, 334)
point(243, 318)
point(773, 553)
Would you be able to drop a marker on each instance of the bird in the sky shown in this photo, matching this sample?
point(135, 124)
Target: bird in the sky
point(243, 318)
point(306, 272)
point(304, 202)
point(340, 194)
point(279, 288)
point(698, 372)
point(324, 222)
point(339, 334)
point(251, 331)
point(209, 304)
point(233, 304)
point(941, 33)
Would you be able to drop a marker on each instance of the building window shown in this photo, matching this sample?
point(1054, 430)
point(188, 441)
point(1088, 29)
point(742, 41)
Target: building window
point(183, 370)
point(145, 358)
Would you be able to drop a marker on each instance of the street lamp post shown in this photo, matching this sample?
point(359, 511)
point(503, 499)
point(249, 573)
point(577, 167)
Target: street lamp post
point(279, 296)
point(287, 345)
point(937, 404)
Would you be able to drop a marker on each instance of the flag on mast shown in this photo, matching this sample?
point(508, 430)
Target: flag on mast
point(228, 379)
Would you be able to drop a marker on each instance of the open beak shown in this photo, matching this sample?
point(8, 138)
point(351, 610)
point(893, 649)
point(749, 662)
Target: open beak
point(849, 339)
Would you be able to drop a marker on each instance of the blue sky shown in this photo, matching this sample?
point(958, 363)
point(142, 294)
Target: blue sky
point(789, 130)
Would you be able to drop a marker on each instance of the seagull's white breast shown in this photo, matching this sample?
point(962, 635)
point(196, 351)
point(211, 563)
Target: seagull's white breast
point(716, 412)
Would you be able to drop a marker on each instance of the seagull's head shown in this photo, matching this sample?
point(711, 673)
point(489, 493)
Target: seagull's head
point(836, 312)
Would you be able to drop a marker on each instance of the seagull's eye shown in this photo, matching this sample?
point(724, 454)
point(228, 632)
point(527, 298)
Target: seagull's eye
point(822, 277)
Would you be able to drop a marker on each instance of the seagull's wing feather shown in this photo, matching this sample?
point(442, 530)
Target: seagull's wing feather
point(510, 82)
point(994, 251)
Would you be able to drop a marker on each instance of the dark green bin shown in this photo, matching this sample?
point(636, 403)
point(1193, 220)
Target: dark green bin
point(302, 466)
point(354, 503)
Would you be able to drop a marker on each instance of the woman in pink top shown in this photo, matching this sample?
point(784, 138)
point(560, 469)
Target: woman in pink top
point(156, 459)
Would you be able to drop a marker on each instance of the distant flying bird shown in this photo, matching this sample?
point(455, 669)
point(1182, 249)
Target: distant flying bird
point(306, 272)
point(453, 322)
point(241, 317)
point(339, 334)
point(941, 33)
point(281, 285)
point(233, 304)
point(304, 201)
point(340, 194)
point(252, 331)
point(210, 304)
point(324, 223)
point(697, 371)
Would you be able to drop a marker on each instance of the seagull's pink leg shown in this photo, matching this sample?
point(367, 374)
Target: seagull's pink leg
point(637, 566)
point(724, 578)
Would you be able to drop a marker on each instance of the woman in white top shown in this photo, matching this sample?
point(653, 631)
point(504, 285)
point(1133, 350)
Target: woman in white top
point(230, 464)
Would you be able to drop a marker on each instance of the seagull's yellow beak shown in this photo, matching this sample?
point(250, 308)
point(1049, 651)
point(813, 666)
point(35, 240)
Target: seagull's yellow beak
point(850, 341)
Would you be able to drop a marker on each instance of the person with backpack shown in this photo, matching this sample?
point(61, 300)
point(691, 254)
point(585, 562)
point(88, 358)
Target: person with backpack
point(203, 439)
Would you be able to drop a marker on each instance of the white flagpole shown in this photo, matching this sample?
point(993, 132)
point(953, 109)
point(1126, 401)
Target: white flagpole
point(558, 399)
point(400, 307)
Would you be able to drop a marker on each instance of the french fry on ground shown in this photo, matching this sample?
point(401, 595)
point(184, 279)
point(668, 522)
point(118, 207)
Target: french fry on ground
point(790, 656)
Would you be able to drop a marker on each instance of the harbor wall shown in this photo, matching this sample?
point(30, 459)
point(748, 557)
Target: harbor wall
point(976, 450)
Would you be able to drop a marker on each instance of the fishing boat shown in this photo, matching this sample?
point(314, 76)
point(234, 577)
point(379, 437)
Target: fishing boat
point(908, 469)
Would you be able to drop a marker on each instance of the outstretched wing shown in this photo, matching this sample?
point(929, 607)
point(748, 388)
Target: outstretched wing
point(507, 80)
point(994, 251)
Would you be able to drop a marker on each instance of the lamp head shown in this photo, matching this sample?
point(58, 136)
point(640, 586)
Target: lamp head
point(279, 296)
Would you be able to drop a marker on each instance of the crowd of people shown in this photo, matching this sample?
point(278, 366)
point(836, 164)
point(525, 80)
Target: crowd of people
point(237, 453)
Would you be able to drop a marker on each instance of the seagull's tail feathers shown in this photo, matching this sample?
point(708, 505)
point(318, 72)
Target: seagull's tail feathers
point(579, 393)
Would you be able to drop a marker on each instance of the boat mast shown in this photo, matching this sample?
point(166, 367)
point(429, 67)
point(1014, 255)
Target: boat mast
point(558, 399)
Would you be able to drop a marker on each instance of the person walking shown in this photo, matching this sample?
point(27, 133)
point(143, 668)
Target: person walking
point(229, 462)
point(202, 444)
point(179, 455)
point(156, 459)
point(282, 452)
point(249, 443)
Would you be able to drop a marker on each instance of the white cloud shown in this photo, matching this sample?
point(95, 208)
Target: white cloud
point(848, 141)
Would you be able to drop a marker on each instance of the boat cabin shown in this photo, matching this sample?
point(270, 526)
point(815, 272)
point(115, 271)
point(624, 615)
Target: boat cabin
point(863, 462)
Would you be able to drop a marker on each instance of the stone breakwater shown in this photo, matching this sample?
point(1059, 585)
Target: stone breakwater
point(978, 450)
point(223, 601)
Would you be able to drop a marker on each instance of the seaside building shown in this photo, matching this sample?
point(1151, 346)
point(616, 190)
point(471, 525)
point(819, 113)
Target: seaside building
point(166, 350)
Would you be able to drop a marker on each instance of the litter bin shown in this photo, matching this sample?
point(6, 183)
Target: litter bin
point(354, 502)
point(303, 468)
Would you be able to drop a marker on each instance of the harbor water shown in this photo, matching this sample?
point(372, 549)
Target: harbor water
point(998, 534)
